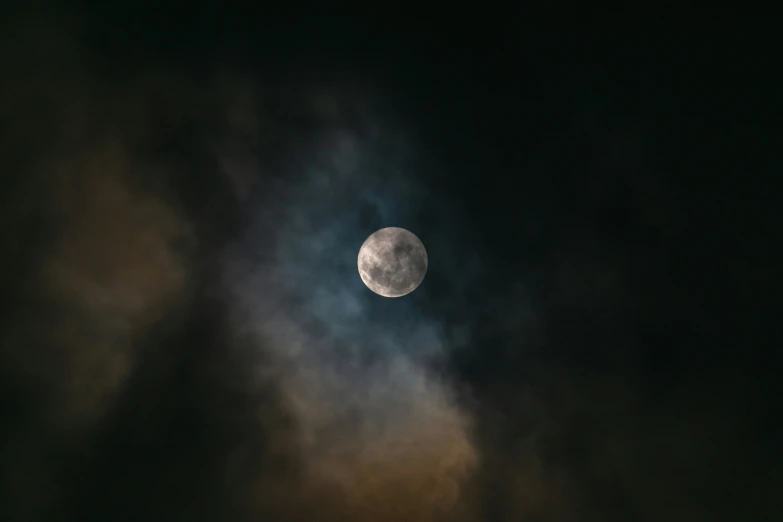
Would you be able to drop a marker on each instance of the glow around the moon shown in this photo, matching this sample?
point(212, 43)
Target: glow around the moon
point(392, 262)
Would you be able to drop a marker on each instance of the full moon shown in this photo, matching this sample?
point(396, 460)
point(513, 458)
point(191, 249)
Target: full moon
point(392, 262)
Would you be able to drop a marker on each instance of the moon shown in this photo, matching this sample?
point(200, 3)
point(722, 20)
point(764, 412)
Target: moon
point(392, 262)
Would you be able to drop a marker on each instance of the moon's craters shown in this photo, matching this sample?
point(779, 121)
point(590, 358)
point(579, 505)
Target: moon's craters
point(392, 262)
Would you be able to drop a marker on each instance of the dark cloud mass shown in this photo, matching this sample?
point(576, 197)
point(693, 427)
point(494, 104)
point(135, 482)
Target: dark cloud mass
point(185, 334)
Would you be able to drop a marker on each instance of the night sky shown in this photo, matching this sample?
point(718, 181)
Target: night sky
point(184, 334)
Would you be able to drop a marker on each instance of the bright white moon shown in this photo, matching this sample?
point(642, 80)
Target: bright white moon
point(392, 262)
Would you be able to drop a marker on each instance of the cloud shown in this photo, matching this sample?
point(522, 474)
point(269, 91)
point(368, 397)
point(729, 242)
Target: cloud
point(374, 423)
point(93, 265)
point(113, 266)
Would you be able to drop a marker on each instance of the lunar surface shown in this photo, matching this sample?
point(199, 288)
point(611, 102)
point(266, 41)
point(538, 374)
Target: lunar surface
point(392, 262)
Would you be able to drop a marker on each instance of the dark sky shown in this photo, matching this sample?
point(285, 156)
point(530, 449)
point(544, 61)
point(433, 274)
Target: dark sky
point(185, 335)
